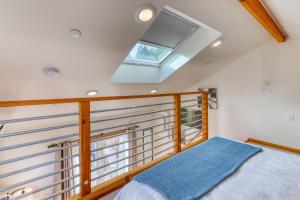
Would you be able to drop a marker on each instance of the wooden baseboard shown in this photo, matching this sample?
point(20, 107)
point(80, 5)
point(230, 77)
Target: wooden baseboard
point(272, 145)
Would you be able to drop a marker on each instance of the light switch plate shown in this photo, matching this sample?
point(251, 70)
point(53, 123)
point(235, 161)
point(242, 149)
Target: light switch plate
point(291, 117)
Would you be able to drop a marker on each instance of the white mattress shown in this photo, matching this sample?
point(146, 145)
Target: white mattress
point(269, 175)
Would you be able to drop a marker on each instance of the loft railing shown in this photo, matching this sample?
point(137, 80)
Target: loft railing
point(85, 148)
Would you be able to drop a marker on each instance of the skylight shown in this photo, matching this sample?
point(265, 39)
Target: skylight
point(164, 36)
point(144, 53)
point(171, 41)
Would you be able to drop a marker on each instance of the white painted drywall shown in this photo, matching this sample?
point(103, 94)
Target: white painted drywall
point(243, 112)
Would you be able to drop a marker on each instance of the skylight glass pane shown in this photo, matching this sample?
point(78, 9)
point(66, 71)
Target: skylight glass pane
point(144, 53)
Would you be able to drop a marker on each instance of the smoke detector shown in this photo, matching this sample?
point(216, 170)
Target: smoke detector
point(75, 33)
point(51, 72)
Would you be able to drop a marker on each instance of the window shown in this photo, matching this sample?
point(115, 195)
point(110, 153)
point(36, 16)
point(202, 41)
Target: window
point(147, 54)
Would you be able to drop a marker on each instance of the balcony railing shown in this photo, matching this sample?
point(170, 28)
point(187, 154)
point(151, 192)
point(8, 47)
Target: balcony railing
point(85, 148)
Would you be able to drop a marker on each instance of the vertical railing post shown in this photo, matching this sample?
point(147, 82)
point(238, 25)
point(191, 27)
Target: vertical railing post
point(204, 106)
point(84, 141)
point(177, 121)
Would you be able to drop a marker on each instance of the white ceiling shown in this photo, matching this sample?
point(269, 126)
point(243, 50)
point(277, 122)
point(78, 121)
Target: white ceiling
point(34, 34)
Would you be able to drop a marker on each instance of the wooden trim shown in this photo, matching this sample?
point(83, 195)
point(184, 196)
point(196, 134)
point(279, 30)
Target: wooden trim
point(193, 144)
point(177, 122)
point(272, 145)
point(204, 107)
point(200, 133)
point(76, 100)
point(85, 148)
point(256, 8)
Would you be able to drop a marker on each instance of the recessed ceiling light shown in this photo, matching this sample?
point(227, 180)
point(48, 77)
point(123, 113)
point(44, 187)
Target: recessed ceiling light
point(154, 91)
point(145, 14)
point(51, 72)
point(75, 33)
point(217, 43)
point(92, 92)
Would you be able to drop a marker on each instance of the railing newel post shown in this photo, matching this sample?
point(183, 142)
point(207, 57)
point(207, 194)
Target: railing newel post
point(85, 148)
point(204, 106)
point(177, 121)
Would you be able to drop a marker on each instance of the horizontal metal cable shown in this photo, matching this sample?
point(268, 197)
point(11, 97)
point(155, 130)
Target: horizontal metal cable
point(32, 180)
point(193, 133)
point(36, 154)
point(47, 186)
point(46, 175)
point(75, 113)
point(130, 108)
point(131, 132)
point(191, 128)
point(133, 147)
point(191, 106)
point(189, 100)
point(37, 142)
point(99, 149)
point(37, 166)
point(183, 113)
point(103, 175)
point(127, 116)
point(129, 124)
point(103, 166)
point(104, 138)
point(38, 130)
point(191, 122)
point(61, 192)
point(37, 118)
point(73, 177)
point(183, 118)
point(71, 125)
point(155, 154)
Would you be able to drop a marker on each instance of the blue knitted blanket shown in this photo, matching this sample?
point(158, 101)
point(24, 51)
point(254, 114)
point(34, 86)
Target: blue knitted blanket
point(194, 172)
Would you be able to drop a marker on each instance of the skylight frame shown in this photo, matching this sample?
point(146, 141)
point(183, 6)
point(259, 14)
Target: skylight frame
point(148, 63)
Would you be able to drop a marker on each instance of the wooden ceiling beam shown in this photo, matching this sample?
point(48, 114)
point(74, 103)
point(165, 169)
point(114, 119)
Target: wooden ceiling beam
point(256, 8)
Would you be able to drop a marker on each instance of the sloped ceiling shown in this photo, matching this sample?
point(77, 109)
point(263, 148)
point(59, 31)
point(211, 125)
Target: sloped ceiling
point(34, 34)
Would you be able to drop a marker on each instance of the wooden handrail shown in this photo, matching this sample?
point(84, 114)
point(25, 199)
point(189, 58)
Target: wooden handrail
point(87, 192)
point(76, 100)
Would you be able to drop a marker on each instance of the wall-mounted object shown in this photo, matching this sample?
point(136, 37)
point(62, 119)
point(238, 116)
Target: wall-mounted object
point(51, 72)
point(266, 89)
point(212, 97)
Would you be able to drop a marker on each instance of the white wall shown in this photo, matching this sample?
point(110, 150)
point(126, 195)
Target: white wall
point(243, 112)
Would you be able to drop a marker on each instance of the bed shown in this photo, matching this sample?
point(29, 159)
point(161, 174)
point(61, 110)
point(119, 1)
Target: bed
point(266, 175)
